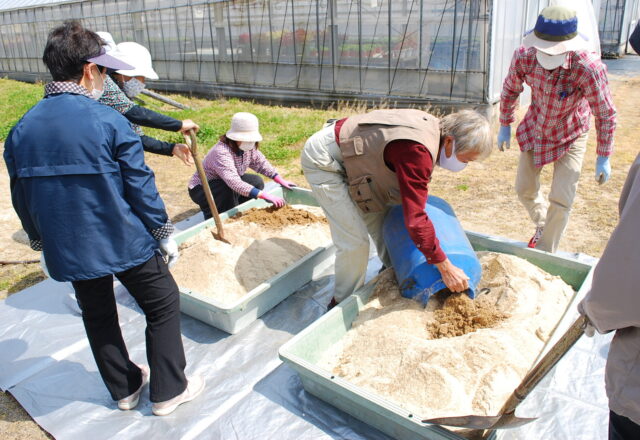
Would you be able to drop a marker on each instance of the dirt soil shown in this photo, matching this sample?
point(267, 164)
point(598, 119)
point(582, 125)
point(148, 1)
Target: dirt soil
point(275, 218)
point(482, 196)
point(460, 315)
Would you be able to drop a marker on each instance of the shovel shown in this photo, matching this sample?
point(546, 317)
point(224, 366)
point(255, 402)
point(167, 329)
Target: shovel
point(191, 141)
point(507, 417)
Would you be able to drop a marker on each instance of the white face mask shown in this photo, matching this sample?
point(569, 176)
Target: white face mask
point(96, 93)
point(451, 163)
point(246, 146)
point(550, 62)
point(133, 87)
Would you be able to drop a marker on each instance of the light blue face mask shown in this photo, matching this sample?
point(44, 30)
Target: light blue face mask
point(133, 87)
point(451, 163)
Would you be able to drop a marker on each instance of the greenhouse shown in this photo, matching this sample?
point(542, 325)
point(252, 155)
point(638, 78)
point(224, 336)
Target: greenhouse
point(445, 52)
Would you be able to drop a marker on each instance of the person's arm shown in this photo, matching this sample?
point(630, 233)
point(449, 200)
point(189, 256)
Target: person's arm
point(18, 201)
point(138, 182)
point(156, 146)
point(413, 165)
point(613, 302)
point(511, 88)
point(596, 90)
point(149, 118)
point(260, 164)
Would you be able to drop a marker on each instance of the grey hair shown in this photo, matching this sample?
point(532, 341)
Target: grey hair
point(471, 131)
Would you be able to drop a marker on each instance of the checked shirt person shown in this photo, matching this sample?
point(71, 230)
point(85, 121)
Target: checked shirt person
point(568, 83)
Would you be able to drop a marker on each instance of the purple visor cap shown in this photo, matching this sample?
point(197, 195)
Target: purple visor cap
point(105, 60)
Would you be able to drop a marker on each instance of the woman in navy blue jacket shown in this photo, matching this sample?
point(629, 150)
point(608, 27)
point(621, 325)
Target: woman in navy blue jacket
point(86, 199)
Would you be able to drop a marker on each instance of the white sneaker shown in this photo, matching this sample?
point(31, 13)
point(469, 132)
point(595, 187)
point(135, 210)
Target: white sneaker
point(195, 386)
point(130, 402)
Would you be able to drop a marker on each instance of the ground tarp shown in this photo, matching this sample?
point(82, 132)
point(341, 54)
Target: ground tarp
point(45, 362)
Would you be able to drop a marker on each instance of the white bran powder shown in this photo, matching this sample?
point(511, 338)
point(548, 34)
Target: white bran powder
point(225, 272)
point(389, 349)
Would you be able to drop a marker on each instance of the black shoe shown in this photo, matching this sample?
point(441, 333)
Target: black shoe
point(332, 304)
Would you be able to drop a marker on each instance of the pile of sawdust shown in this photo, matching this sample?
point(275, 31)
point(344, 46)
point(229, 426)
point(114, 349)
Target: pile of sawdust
point(273, 217)
point(460, 315)
point(225, 272)
point(400, 351)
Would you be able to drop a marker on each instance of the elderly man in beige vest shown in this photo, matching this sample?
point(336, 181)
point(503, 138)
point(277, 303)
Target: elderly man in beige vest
point(614, 304)
point(358, 167)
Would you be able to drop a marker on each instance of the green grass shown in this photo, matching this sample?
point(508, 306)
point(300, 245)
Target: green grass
point(15, 99)
point(284, 129)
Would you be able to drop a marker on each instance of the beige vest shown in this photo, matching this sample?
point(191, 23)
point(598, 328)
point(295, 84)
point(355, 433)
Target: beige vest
point(372, 185)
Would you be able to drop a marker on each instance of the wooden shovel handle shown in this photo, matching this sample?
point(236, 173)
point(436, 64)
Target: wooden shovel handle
point(545, 364)
point(193, 145)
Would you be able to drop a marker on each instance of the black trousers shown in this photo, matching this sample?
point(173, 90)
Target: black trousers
point(156, 292)
point(225, 197)
point(622, 428)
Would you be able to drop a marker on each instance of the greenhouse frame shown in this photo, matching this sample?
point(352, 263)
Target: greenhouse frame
point(408, 52)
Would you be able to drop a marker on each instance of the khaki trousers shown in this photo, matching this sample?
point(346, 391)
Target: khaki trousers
point(554, 214)
point(323, 168)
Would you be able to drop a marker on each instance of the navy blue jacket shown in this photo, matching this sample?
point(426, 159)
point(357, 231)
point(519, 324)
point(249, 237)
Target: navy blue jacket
point(80, 185)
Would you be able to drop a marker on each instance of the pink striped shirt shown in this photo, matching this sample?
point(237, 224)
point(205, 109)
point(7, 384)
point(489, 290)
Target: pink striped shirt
point(562, 100)
point(221, 162)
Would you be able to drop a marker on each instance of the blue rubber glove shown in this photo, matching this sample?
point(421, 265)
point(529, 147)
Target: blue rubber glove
point(504, 137)
point(603, 169)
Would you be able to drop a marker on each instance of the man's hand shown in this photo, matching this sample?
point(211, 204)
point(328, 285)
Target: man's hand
point(504, 137)
point(453, 277)
point(187, 125)
point(603, 169)
point(182, 152)
point(169, 249)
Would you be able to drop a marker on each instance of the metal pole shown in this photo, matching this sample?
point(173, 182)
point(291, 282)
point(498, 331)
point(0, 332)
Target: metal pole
point(359, 44)
point(334, 36)
point(420, 44)
point(389, 45)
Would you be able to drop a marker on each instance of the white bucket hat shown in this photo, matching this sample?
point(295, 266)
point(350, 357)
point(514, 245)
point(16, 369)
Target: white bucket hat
point(556, 32)
point(244, 128)
point(139, 57)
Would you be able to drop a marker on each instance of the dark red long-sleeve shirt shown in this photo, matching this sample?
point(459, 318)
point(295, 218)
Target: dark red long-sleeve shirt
point(413, 165)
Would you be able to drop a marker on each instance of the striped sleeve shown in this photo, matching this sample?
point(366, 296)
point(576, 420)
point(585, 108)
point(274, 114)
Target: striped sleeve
point(260, 164)
point(597, 93)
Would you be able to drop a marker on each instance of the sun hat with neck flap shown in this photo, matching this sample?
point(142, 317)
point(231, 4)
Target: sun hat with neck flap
point(556, 32)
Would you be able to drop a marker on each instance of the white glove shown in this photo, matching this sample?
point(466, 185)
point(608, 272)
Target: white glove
point(169, 249)
point(43, 265)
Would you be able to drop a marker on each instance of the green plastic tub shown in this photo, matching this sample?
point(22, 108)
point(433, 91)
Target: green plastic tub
point(304, 351)
point(233, 317)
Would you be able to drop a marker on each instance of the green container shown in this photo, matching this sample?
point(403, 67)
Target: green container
point(304, 351)
point(234, 316)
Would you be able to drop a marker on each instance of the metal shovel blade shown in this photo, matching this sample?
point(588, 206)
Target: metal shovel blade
point(481, 422)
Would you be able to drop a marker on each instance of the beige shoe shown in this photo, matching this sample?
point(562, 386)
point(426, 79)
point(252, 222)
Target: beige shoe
point(195, 386)
point(130, 402)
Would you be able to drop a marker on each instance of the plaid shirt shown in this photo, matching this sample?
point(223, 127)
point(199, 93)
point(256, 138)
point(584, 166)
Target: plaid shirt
point(562, 101)
point(221, 162)
point(56, 87)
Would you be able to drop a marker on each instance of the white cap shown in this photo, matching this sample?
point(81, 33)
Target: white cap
point(139, 57)
point(244, 128)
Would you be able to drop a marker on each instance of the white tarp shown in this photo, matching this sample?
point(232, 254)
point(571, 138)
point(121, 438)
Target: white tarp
point(45, 362)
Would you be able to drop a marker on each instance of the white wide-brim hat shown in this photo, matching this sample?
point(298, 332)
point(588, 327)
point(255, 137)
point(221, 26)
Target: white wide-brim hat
point(139, 57)
point(244, 128)
point(556, 32)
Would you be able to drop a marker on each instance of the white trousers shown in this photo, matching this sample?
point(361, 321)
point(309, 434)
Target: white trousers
point(350, 227)
point(554, 214)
